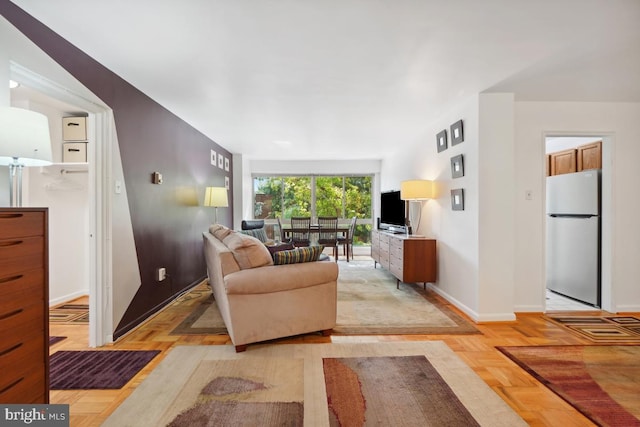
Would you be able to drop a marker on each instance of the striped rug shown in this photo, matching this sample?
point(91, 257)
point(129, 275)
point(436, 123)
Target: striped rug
point(96, 369)
point(601, 381)
point(601, 329)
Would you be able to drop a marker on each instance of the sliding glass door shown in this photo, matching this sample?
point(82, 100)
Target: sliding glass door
point(344, 196)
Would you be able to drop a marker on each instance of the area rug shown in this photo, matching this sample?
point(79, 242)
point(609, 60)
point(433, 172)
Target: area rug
point(402, 383)
point(88, 370)
point(601, 329)
point(53, 340)
point(601, 381)
point(69, 313)
point(369, 303)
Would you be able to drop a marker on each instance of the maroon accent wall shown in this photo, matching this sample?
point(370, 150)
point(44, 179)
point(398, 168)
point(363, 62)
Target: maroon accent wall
point(167, 219)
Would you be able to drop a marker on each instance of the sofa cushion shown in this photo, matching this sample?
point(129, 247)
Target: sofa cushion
point(258, 233)
point(219, 231)
point(248, 251)
point(286, 246)
point(293, 256)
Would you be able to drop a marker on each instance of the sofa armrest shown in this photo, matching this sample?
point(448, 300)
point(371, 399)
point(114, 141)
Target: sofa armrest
point(277, 278)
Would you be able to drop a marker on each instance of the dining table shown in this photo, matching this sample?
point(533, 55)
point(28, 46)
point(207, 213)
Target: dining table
point(342, 229)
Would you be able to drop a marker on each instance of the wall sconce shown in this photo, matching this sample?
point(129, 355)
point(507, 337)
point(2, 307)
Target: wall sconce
point(24, 141)
point(216, 197)
point(412, 191)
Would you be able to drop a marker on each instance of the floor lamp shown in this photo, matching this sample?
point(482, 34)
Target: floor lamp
point(24, 141)
point(415, 190)
point(216, 197)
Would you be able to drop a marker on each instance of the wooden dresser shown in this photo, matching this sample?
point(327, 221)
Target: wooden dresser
point(24, 306)
point(410, 259)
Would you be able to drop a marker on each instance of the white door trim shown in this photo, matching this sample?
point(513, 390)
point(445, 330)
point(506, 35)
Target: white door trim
point(99, 159)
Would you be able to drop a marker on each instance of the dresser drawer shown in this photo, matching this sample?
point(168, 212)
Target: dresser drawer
point(21, 324)
point(21, 254)
point(384, 259)
point(396, 270)
point(27, 387)
point(21, 224)
point(384, 239)
point(20, 290)
point(15, 359)
point(396, 245)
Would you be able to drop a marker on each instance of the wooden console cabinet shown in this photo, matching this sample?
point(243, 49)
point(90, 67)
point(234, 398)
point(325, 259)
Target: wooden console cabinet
point(24, 306)
point(410, 259)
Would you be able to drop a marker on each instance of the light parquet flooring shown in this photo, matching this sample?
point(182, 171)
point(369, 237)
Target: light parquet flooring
point(532, 400)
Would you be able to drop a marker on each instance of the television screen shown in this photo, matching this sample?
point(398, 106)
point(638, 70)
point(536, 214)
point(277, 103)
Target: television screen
point(391, 209)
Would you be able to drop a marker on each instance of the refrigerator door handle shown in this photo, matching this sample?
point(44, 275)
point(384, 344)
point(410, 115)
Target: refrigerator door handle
point(577, 216)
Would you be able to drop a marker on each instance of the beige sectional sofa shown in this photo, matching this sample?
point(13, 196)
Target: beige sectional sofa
point(261, 301)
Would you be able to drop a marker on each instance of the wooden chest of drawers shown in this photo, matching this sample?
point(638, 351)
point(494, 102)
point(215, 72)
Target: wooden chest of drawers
point(24, 306)
point(409, 259)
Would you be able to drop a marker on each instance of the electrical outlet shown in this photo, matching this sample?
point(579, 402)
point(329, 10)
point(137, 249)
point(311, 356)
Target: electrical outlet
point(161, 274)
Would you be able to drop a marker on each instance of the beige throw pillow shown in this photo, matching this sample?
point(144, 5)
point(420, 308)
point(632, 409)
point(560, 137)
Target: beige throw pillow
point(219, 231)
point(248, 251)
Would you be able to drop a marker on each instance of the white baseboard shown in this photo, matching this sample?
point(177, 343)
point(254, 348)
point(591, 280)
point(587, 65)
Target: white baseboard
point(627, 309)
point(529, 309)
point(475, 316)
point(67, 298)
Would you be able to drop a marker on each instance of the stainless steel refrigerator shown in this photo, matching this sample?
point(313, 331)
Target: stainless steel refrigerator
point(573, 235)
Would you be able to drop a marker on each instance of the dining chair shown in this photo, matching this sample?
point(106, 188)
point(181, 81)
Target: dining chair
point(347, 240)
point(301, 231)
point(283, 238)
point(328, 233)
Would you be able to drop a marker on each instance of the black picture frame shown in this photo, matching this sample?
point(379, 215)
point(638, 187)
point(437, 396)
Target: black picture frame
point(457, 133)
point(457, 199)
point(457, 166)
point(441, 140)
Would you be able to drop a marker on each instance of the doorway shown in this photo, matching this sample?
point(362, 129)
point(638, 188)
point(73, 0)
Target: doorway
point(582, 155)
point(97, 251)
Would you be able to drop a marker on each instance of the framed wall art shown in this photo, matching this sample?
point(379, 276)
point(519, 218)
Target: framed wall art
point(457, 166)
point(214, 159)
point(457, 199)
point(441, 140)
point(457, 134)
point(226, 164)
point(220, 161)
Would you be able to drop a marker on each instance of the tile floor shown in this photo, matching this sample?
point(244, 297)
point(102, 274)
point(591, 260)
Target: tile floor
point(556, 302)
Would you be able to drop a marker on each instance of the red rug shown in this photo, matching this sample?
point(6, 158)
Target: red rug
point(359, 391)
point(602, 382)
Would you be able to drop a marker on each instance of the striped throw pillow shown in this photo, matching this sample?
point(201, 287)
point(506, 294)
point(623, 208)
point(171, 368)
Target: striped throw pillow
point(293, 256)
point(258, 233)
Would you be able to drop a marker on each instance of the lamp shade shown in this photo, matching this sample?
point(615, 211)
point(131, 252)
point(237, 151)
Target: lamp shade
point(216, 197)
point(418, 189)
point(24, 135)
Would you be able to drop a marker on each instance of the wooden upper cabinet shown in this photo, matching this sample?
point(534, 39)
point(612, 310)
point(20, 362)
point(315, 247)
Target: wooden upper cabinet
point(590, 156)
point(562, 162)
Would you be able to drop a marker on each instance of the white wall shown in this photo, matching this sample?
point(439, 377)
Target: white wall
point(456, 232)
point(535, 120)
point(67, 197)
point(496, 222)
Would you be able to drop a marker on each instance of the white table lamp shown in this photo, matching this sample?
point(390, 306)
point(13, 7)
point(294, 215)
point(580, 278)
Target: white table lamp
point(415, 190)
point(216, 197)
point(24, 141)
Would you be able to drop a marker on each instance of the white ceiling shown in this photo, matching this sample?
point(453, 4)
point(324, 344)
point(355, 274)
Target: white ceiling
point(303, 79)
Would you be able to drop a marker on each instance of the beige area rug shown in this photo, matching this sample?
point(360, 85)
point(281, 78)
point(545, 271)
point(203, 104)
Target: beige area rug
point(368, 304)
point(291, 384)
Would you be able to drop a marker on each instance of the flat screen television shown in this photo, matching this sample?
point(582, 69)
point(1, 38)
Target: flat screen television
point(392, 211)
